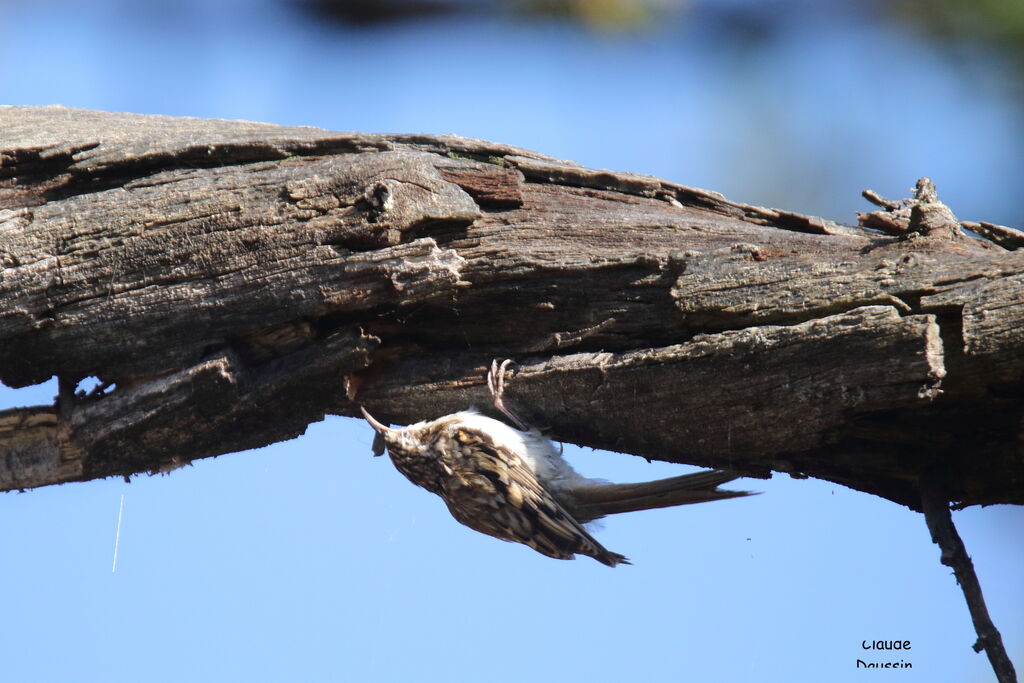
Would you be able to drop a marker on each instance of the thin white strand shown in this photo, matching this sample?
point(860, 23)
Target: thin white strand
point(117, 535)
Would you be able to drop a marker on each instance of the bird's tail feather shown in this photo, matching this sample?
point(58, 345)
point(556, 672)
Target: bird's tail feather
point(591, 502)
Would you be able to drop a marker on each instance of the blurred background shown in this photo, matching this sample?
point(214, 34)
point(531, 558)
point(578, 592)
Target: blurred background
point(310, 560)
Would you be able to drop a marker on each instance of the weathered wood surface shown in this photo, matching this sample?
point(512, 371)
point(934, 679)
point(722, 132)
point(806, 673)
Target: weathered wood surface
point(236, 281)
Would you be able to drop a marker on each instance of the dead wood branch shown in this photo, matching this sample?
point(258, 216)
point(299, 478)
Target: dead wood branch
point(233, 282)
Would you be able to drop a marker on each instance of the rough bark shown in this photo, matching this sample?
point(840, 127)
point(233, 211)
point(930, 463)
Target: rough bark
point(233, 282)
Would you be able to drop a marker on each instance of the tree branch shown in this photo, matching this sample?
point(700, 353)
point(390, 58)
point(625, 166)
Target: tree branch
point(230, 282)
point(954, 555)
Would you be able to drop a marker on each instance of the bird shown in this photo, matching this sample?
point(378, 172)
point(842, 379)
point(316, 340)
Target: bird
point(510, 482)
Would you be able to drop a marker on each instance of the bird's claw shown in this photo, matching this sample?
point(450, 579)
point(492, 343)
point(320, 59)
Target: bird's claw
point(496, 386)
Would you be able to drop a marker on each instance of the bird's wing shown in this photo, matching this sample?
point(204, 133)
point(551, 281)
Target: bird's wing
point(494, 491)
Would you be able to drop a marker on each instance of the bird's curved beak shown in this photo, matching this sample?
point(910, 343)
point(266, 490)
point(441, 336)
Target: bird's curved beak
point(382, 430)
point(380, 427)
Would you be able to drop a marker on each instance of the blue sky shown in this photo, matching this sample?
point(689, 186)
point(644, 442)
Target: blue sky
point(310, 560)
